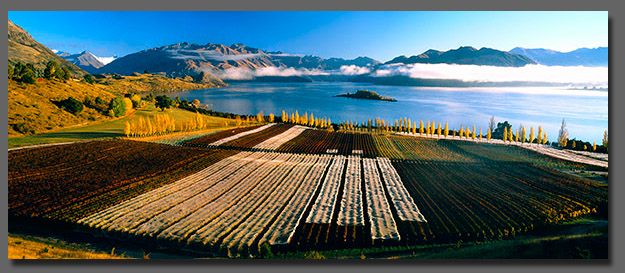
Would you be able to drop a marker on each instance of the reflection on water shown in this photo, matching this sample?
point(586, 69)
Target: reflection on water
point(586, 112)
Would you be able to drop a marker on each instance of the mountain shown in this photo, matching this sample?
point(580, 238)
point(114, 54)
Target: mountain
point(466, 55)
point(84, 60)
point(184, 59)
point(23, 48)
point(583, 56)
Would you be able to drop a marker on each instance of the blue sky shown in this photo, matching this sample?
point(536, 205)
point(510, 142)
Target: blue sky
point(380, 35)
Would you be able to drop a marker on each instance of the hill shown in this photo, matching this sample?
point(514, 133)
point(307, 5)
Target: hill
point(582, 56)
point(466, 55)
point(23, 48)
point(84, 60)
point(184, 59)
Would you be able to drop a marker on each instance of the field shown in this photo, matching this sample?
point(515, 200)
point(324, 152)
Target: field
point(113, 128)
point(281, 188)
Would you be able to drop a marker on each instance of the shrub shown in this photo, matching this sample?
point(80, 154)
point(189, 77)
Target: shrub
point(88, 78)
point(163, 102)
point(117, 107)
point(72, 105)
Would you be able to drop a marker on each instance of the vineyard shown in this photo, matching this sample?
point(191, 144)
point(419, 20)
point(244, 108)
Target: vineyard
point(71, 181)
point(289, 188)
point(320, 141)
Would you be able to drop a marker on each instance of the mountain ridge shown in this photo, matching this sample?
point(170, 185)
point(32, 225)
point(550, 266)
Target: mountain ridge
point(581, 56)
point(466, 55)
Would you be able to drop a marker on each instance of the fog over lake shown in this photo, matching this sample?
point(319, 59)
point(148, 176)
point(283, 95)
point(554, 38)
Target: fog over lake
point(585, 111)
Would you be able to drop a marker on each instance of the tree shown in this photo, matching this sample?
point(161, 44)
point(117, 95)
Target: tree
point(505, 134)
point(66, 73)
point(271, 117)
point(196, 103)
point(498, 132)
point(544, 137)
point(284, 117)
point(127, 129)
point(117, 107)
point(438, 130)
point(72, 105)
point(88, 78)
point(605, 139)
point(491, 124)
point(163, 102)
point(446, 130)
point(516, 137)
point(488, 135)
point(523, 132)
point(260, 116)
point(50, 71)
point(10, 71)
point(540, 135)
point(136, 100)
point(421, 127)
point(573, 145)
point(473, 135)
point(531, 134)
point(594, 146)
point(563, 135)
point(480, 133)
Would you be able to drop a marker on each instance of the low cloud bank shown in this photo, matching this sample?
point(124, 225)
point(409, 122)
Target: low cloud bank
point(248, 74)
point(199, 54)
point(530, 73)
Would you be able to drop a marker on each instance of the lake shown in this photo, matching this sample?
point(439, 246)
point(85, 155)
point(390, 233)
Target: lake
point(585, 111)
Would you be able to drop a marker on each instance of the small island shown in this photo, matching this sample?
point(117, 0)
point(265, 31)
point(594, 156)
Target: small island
point(366, 94)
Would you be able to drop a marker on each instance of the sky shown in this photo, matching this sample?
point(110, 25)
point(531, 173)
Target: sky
point(379, 35)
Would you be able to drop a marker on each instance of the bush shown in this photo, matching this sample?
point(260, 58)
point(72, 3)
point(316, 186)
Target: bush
point(136, 100)
point(72, 105)
point(88, 78)
point(163, 102)
point(117, 107)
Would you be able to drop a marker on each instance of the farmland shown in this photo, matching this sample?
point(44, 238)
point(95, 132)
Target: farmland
point(285, 188)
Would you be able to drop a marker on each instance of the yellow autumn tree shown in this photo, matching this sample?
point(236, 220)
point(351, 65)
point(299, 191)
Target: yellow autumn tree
point(127, 129)
point(446, 129)
point(531, 140)
point(488, 135)
point(505, 133)
point(421, 127)
point(540, 135)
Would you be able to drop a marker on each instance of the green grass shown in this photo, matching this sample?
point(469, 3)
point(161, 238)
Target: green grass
point(107, 129)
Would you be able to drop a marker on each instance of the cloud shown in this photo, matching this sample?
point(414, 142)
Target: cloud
point(248, 74)
point(105, 60)
point(199, 54)
point(531, 73)
point(55, 50)
point(353, 70)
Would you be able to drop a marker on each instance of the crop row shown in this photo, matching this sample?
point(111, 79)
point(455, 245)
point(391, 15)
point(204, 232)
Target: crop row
point(485, 201)
point(251, 140)
point(226, 136)
point(383, 226)
point(277, 140)
point(350, 213)
point(71, 181)
point(320, 141)
point(323, 208)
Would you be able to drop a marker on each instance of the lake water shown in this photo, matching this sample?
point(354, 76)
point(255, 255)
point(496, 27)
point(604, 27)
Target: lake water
point(585, 112)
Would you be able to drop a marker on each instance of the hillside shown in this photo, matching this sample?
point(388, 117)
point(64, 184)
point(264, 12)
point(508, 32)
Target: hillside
point(23, 48)
point(582, 56)
point(466, 55)
point(84, 60)
point(184, 59)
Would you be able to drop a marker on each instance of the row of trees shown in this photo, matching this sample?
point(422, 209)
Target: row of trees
point(28, 73)
point(305, 119)
point(573, 144)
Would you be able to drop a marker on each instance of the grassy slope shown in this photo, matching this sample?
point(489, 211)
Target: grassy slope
point(35, 247)
point(146, 83)
point(109, 128)
point(31, 104)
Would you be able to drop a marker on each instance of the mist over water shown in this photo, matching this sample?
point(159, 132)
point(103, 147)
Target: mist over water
point(586, 112)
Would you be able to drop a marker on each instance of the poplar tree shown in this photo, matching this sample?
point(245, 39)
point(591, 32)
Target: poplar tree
point(488, 135)
point(505, 133)
point(523, 132)
point(540, 135)
point(480, 133)
point(594, 146)
point(271, 117)
point(605, 139)
point(127, 129)
point(461, 131)
point(516, 138)
point(421, 127)
point(283, 117)
point(446, 130)
point(544, 137)
point(531, 134)
point(438, 130)
point(473, 136)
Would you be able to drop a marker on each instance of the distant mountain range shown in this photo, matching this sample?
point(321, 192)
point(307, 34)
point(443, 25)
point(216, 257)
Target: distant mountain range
point(190, 59)
point(466, 55)
point(23, 48)
point(583, 56)
point(84, 60)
